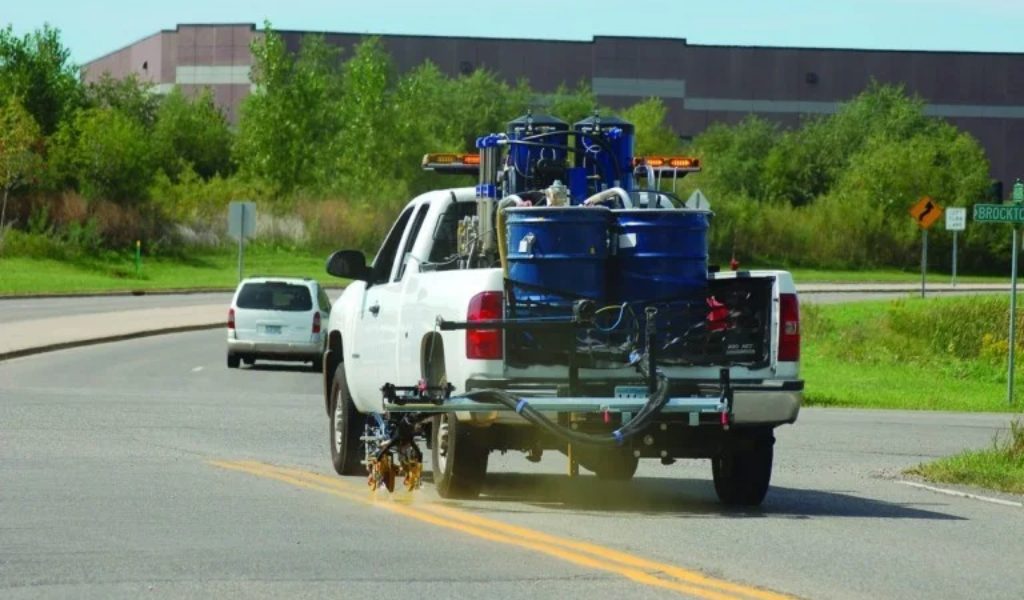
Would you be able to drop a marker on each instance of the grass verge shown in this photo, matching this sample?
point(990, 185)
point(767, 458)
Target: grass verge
point(1001, 468)
point(933, 354)
point(27, 276)
point(886, 276)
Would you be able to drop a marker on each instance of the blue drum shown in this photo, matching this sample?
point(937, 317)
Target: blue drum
point(558, 251)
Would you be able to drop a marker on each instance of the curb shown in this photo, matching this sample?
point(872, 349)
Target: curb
point(116, 293)
point(102, 340)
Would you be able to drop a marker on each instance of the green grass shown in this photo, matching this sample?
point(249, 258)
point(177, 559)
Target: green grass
point(934, 354)
point(887, 276)
point(1001, 468)
point(20, 275)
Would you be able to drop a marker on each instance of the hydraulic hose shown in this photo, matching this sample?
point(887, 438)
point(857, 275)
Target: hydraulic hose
point(502, 250)
point(651, 408)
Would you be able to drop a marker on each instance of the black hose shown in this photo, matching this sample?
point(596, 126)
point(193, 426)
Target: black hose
point(651, 408)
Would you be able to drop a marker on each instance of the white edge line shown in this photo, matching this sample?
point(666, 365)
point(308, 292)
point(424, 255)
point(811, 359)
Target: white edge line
point(963, 494)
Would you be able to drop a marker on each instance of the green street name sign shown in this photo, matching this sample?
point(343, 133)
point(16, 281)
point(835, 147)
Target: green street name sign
point(998, 213)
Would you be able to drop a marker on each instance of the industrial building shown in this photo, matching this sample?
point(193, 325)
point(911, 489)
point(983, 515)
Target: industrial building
point(982, 93)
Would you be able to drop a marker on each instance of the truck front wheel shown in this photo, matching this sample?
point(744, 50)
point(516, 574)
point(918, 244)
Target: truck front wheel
point(459, 458)
point(347, 427)
point(742, 475)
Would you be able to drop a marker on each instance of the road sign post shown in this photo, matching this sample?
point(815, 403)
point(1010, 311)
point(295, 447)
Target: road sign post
point(1014, 214)
point(241, 224)
point(956, 221)
point(925, 213)
point(1013, 319)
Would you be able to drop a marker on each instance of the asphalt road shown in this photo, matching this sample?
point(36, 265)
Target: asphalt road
point(24, 309)
point(148, 467)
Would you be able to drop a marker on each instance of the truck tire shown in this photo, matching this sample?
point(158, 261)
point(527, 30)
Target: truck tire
point(742, 476)
point(459, 458)
point(233, 361)
point(347, 426)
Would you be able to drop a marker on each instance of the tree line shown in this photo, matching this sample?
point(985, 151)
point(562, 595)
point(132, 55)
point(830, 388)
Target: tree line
point(337, 140)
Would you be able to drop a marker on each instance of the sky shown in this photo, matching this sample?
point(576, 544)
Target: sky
point(92, 29)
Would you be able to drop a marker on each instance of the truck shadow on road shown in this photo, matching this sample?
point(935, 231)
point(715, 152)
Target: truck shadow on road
point(684, 498)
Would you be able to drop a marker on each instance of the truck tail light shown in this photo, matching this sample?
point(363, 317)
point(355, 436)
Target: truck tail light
point(231, 318)
point(789, 328)
point(316, 322)
point(485, 343)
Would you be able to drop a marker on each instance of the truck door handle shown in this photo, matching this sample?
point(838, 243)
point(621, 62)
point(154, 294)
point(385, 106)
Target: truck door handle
point(375, 309)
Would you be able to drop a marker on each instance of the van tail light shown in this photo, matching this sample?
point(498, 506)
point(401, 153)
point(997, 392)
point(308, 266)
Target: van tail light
point(231, 318)
point(789, 328)
point(316, 322)
point(485, 343)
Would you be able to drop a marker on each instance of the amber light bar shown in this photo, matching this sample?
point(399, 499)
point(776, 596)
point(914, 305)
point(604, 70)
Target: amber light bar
point(450, 162)
point(681, 163)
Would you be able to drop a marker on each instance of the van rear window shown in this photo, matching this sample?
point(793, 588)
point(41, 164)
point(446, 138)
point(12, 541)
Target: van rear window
point(275, 296)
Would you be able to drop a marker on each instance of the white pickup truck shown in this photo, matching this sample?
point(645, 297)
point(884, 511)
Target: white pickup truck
point(405, 360)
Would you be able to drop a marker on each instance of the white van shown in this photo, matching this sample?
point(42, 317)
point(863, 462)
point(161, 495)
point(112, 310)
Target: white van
point(277, 318)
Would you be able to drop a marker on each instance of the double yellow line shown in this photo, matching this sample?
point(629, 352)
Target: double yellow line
point(591, 556)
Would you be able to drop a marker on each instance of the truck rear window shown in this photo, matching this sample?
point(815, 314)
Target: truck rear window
point(275, 296)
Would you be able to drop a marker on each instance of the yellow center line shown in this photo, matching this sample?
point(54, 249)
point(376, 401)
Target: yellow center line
point(579, 553)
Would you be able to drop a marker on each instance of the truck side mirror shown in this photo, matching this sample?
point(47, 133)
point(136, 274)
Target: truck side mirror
point(349, 264)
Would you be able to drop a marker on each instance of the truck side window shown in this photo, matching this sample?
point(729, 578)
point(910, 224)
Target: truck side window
point(445, 246)
point(410, 240)
point(386, 255)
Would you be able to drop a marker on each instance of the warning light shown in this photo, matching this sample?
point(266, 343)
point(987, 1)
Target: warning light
point(448, 162)
point(687, 164)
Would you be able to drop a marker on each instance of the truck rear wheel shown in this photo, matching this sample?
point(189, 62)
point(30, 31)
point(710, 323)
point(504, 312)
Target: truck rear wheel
point(347, 427)
point(742, 476)
point(459, 458)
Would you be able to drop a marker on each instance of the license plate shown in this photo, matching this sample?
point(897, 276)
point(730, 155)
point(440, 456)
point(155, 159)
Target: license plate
point(272, 329)
point(631, 391)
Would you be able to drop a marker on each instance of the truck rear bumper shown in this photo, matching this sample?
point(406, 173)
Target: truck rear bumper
point(772, 402)
point(276, 350)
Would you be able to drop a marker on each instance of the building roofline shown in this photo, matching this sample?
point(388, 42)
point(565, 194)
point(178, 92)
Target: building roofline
point(124, 47)
point(855, 49)
point(594, 38)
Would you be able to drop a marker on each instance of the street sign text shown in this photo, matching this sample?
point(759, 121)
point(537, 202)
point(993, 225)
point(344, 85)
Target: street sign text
point(998, 213)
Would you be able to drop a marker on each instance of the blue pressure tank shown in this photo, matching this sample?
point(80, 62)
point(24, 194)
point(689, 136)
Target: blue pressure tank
point(543, 158)
point(604, 147)
point(558, 251)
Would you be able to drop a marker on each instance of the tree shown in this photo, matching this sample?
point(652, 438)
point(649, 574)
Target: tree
point(573, 105)
point(19, 136)
point(36, 68)
point(129, 95)
point(108, 154)
point(733, 157)
point(480, 103)
point(192, 132)
point(368, 128)
point(289, 130)
point(807, 162)
point(653, 135)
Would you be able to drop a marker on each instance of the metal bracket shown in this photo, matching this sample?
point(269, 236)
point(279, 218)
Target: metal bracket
point(416, 394)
